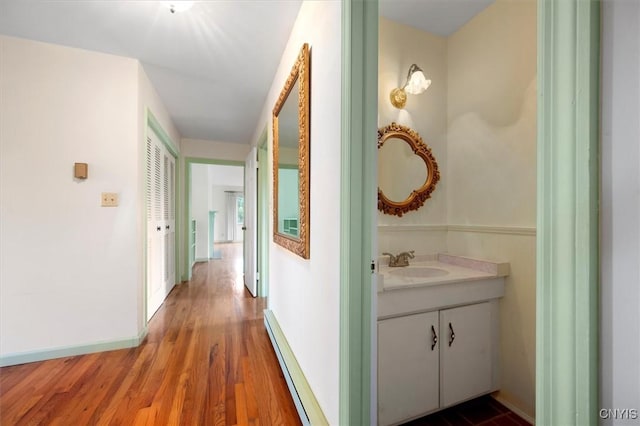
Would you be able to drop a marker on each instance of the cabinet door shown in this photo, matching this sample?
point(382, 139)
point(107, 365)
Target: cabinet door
point(466, 353)
point(408, 370)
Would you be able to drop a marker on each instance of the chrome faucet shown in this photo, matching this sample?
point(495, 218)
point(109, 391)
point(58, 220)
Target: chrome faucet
point(402, 259)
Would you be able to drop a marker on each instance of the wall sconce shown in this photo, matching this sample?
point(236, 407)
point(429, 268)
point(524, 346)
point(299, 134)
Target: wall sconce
point(416, 84)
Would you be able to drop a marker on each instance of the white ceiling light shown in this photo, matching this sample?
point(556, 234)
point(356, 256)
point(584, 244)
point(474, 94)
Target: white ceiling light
point(178, 5)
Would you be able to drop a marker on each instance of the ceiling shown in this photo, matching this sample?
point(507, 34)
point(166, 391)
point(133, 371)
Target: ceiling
point(212, 65)
point(440, 17)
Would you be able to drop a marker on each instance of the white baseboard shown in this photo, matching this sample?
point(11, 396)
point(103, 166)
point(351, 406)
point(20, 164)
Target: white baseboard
point(35, 356)
point(305, 401)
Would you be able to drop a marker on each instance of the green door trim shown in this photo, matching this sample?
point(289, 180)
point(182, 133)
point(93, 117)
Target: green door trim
point(567, 242)
point(164, 137)
point(184, 224)
point(357, 206)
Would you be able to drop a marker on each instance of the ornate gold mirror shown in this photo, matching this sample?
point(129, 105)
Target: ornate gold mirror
point(407, 170)
point(291, 159)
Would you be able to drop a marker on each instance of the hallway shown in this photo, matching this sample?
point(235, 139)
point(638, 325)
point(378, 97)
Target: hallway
point(206, 360)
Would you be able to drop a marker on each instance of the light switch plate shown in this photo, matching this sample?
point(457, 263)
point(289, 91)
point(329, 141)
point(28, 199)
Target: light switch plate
point(109, 199)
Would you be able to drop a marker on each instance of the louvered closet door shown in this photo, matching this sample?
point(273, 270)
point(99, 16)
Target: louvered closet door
point(160, 202)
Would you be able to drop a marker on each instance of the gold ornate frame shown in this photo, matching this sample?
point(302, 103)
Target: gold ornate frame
point(420, 195)
point(301, 72)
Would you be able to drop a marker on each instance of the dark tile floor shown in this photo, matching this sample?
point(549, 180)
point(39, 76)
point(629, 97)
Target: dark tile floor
point(483, 411)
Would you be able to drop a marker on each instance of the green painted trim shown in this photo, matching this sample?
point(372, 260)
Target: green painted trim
point(155, 125)
point(304, 399)
point(263, 213)
point(65, 351)
point(185, 219)
point(567, 237)
point(357, 206)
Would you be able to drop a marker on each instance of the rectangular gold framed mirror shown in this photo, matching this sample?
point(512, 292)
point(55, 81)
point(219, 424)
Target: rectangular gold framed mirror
point(291, 159)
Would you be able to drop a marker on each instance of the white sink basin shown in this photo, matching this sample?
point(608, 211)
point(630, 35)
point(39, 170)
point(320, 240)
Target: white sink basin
point(418, 271)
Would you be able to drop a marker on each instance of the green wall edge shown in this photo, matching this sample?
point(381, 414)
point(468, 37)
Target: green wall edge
point(357, 206)
point(567, 239)
point(155, 125)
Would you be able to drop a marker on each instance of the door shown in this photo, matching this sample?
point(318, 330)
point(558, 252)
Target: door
point(466, 357)
point(169, 221)
point(160, 214)
point(408, 373)
point(262, 221)
point(250, 228)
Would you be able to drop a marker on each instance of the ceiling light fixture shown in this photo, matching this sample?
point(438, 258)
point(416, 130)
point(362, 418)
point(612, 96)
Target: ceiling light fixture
point(416, 84)
point(179, 5)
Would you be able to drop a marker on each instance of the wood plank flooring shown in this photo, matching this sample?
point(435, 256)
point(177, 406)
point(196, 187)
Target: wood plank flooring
point(207, 360)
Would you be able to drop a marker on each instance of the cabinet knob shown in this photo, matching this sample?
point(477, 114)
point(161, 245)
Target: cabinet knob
point(452, 335)
point(158, 228)
point(434, 337)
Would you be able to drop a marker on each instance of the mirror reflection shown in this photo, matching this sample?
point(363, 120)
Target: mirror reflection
point(407, 170)
point(288, 171)
point(400, 171)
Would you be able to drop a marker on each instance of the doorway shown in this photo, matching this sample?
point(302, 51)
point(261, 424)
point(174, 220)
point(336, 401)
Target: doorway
point(215, 209)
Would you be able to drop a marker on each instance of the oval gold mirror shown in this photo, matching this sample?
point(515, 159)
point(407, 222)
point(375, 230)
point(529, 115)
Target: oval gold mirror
point(407, 170)
point(291, 159)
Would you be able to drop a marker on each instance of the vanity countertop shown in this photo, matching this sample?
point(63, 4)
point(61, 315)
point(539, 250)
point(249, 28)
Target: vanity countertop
point(437, 281)
point(439, 269)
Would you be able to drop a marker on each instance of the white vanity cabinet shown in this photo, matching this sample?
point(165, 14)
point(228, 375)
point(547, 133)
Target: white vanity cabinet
point(408, 367)
point(432, 360)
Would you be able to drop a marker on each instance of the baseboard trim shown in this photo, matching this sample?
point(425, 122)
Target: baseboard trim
point(506, 230)
point(35, 356)
point(305, 401)
point(412, 228)
point(515, 409)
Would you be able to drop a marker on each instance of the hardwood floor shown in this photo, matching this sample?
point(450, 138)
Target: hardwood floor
point(207, 360)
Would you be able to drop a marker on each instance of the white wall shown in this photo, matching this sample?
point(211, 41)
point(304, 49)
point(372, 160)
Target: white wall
point(305, 294)
point(70, 270)
point(200, 208)
point(620, 211)
point(214, 150)
point(492, 171)
point(399, 47)
point(219, 203)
